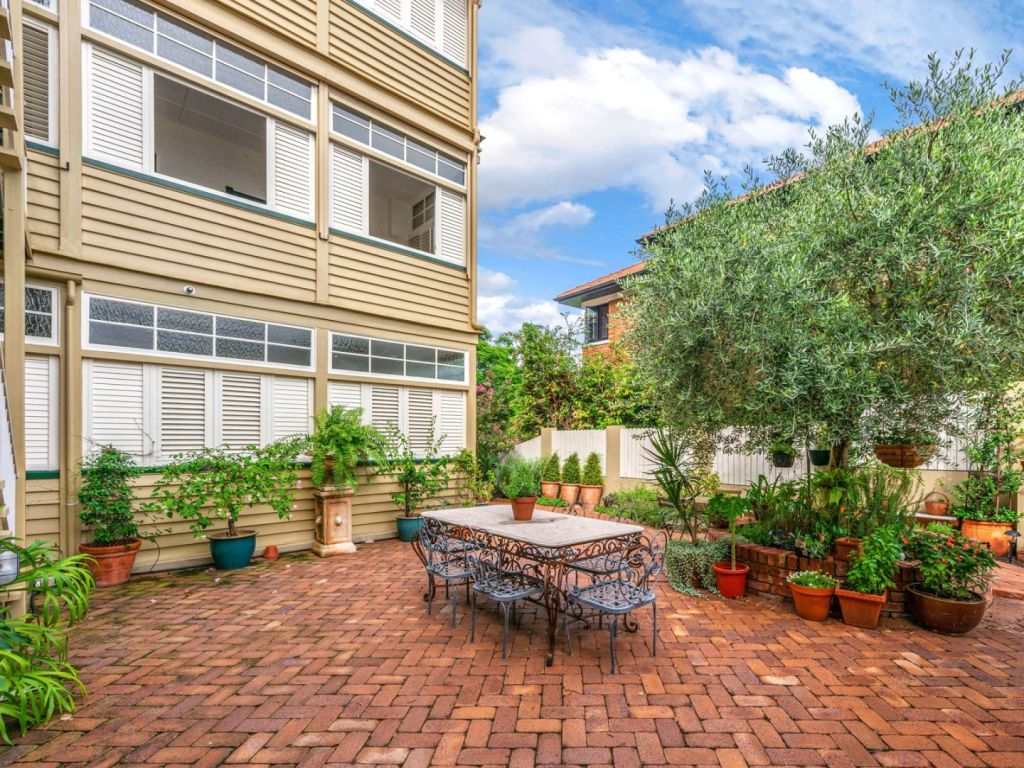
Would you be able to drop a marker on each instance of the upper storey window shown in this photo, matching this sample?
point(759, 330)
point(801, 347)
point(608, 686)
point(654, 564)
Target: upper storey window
point(184, 45)
point(440, 24)
point(595, 328)
point(39, 57)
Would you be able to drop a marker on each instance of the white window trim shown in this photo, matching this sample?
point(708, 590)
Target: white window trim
point(54, 339)
point(391, 377)
point(53, 87)
point(218, 361)
point(405, 24)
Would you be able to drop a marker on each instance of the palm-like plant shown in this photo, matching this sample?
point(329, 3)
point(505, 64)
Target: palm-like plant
point(36, 679)
point(679, 478)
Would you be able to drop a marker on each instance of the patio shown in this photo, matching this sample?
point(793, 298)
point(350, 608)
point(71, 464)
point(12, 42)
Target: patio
point(318, 662)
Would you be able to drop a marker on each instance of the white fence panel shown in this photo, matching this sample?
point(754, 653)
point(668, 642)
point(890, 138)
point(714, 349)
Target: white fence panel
point(579, 441)
point(745, 468)
point(530, 449)
point(633, 456)
point(950, 456)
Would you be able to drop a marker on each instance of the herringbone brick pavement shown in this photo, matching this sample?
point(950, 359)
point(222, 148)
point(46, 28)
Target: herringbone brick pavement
point(311, 662)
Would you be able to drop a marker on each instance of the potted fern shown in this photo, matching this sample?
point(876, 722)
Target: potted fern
point(592, 486)
point(551, 476)
point(570, 490)
point(106, 509)
point(340, 442)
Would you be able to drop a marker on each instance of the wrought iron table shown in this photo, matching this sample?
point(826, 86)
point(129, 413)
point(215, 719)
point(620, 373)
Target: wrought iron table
point(551, 541)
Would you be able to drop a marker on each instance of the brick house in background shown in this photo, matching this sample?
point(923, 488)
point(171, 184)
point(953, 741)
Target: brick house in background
point(601, 300)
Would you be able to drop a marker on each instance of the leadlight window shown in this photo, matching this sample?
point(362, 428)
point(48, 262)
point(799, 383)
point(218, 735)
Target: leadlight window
point(40, 314)
point(380, 357)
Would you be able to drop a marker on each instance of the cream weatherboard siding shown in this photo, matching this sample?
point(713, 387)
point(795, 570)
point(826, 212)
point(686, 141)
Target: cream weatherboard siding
point(44, 200)
point(295, 19)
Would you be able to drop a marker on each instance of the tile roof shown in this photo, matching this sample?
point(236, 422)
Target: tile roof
point(611, 277)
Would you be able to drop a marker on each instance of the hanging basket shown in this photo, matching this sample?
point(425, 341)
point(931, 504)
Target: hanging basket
point(936, 503)
point(820, 457)
point(903, 455)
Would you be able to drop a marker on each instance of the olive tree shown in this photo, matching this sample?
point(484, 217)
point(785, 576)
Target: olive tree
point(871, 293)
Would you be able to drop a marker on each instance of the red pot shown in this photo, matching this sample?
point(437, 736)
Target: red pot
point(846, 546)
point(569, 493)
point(859, 609)
point(812, 603)
point(590, 495)
point(731, 583)
point(549, 490)
point(271, 552)
point(113, 565)
point(522, 508)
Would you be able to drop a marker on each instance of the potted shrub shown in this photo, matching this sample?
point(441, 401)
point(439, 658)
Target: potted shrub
point(869, 578)
point(106, 509)
point(551, 476)
point(570, 490)
point(421, 476)
point(339, 443)
point(218, 484)
point(783, 454)
point(730, 577)
point(522, 487)
point(812, 594)
point(592, 486)
point(955, 575)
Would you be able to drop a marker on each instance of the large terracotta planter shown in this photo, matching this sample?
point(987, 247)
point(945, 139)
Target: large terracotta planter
point(732, 583)
point(113, 565)
point(860, 610)
point(569, 493)
point(949, 617)
point(812, 603)
point(590, 495)
point(993, 534)
point(904, 455)
point(522, 508)
point(846, 546)
point(549, 490)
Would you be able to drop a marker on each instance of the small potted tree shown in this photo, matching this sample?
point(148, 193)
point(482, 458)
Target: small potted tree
point(551, 476)
point(730, 577)
point(812, 594)
point(783, 454)
point(106, 507)
point(421, 476)
point(218, 484)
point(869, 579)
point(570, 490)
point(592, 486)
point(522, 486)
point(339, 443)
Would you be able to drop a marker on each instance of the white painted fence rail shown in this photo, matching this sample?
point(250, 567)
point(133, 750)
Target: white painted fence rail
point(582, 442)
point(529, 449)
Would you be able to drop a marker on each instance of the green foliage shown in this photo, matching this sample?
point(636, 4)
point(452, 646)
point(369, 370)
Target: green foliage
point(522, 477)
point(874, 565)
point(812, 580)
point(217, 484)
point(592, 471)
point(757, 533)
point(689, 562)
point(640, 504)
point(341, 440)
point(571, 470)
point(883, 497)
point(782, 449)
point(994, 474)
point(36, 679)
point(548, 369)
point(472, 484)
point(680, 478)
point(547, 501)
point(552, 471)
point(952, 566)
point(868, 296)
point(730, 508)
point(498, 379)
point(421, 475)
point(106, 497)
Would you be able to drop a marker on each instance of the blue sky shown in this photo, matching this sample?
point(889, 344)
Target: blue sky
point(596, 114)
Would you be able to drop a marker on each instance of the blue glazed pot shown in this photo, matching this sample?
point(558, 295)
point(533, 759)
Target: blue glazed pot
point(230, 554)
point(408, 527)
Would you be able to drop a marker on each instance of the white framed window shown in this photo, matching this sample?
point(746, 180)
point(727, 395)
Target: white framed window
point(42, 415)
point(155, 412)
point(149, 121)
point(440, 24)
point(42, 303)
point(39, 89)
point(417, 412)
point(122, 324)
point(381, 357)
point(50, 5)
point(372, 199)
point(184, 45)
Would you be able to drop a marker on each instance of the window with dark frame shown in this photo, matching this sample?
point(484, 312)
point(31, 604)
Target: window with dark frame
point(596, 325)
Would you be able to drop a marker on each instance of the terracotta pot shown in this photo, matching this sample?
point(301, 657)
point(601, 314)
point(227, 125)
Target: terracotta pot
point(731, 583)
point(590, 495)
point(993, 534)
point(846, 546)
point(522, 508)
point(903, 455)
point(113, 565)
point(569, 493)
point(271, 552)
point(936, 503)
point(812, 603)
point(860, 610)
point(549, 490)
point(949, 617)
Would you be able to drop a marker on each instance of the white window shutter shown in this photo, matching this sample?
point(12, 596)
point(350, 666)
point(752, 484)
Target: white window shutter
point(291, 407)
point(453, 227)
point(41, 415)
point(36, 90)
point(451, 421)
point(240, 401)
point(183, 411)
point(390, 9)
point(348, 394)
point(115, 117)
point(293, 170)
point(114, 407)
point(348, 190)
point(455, 23)
point(385, 410)
point(422, 19)
point(420, 419)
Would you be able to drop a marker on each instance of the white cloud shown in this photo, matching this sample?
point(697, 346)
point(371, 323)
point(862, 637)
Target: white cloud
point(574, 121)
point(501, 306)
point(523, 234)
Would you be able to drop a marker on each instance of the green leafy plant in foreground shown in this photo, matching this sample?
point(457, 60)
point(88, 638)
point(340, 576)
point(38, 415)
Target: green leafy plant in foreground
point(874, 565)
point(951, 565)
point(106, 498)
point(422, 475)
point(339, 443)
point(688, 563)
point(523, 480)
point(729, 508)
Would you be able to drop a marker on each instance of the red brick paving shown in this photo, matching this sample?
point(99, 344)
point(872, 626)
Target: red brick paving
point(308, 662)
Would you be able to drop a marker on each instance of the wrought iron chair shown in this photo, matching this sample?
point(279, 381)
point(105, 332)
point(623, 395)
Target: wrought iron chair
point(497, 576)
point(630, 588)
point(444, 558)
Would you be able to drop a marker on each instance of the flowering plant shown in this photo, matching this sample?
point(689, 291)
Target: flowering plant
point(952, 566)
point(812, 579)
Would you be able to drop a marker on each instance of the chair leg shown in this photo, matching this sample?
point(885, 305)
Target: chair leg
point(612, 626)
point(654, 631)
point(455, 597)
point(446, 589)
point(504, 633)
point(467, 590)
point(472, 619)
point(430, 594)
point(565, 625)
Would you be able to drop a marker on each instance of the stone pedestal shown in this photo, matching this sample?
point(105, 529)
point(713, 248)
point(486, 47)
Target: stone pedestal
point(333, 521)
